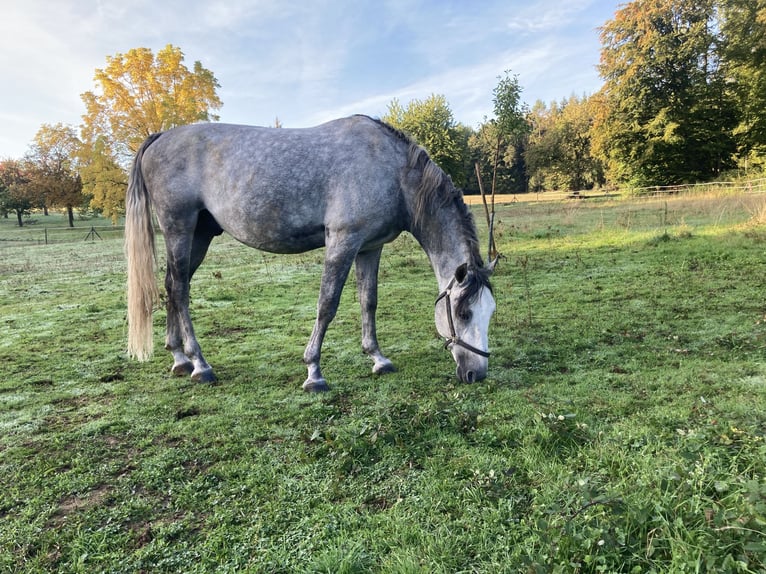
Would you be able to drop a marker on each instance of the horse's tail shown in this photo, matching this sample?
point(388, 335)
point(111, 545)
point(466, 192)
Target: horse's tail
point(141, 256)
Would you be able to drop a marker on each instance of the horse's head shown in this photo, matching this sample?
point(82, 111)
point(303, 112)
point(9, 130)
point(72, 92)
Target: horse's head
point(462, 314)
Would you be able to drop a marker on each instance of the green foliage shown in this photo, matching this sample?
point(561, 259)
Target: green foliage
point(667, 116)
point(430, 123)
point(621, 428)
point(558, 154)
point(744, 51)
point(499, 143)
point(508, 107)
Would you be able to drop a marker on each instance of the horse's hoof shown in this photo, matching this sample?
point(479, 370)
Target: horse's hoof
point(205, 376)
point(383, 368)
point(320, 386)
point(182, 369)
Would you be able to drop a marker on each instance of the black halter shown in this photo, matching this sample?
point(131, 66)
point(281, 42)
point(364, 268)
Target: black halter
point(453, 339)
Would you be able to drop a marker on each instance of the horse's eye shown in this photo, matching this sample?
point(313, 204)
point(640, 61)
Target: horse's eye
point(465, 315)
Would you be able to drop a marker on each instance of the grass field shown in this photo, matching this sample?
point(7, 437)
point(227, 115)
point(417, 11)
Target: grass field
point(621, 428)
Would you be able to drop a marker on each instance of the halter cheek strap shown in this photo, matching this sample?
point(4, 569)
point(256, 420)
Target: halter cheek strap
point(453, 339)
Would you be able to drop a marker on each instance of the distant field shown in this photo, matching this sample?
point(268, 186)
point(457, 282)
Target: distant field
point(512, 198)
point(622, 427)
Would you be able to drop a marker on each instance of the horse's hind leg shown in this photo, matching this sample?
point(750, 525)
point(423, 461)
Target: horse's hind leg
point(185, 253)
point(367, 264)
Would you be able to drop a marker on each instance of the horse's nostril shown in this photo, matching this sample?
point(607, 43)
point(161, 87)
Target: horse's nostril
point(470, 377)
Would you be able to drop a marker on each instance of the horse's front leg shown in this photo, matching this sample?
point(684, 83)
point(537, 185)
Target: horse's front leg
point(367, 265)
point(336, 267)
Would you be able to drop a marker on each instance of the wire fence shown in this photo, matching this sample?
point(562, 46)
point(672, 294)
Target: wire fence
point(45, 235)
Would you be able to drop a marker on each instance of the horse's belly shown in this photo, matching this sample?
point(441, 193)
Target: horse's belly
point(268, 227)
point(297, 241)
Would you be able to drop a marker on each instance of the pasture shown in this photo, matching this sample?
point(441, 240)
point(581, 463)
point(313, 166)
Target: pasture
point(621, 427)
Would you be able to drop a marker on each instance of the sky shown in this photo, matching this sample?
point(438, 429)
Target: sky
point(302, 61)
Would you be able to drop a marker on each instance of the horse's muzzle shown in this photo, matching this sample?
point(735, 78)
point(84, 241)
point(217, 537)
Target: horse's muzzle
point(469, 374)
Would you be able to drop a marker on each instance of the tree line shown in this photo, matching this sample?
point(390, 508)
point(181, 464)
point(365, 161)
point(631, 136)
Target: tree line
point(682, 100)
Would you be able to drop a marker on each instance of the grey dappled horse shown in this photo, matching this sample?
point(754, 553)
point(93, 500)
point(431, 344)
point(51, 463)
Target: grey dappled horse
point(350, 185)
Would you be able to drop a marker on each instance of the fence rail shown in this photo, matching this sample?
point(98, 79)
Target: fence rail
point(751, 186)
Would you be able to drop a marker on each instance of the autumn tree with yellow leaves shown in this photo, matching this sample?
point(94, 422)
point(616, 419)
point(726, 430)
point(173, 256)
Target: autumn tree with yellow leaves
point(138, 93)
point(105, 180)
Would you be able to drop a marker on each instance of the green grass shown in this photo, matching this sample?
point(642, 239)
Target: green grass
point(621, 428)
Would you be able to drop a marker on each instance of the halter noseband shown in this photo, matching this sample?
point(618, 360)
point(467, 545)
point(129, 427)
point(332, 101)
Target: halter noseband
point(453, 339)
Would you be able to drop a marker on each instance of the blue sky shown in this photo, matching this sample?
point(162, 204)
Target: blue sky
point(303, 61)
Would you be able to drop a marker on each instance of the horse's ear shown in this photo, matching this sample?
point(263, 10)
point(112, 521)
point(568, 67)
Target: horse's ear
point(491, 264)
point(461, 273)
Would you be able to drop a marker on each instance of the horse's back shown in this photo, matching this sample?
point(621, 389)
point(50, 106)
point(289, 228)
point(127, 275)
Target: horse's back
point(280, 189)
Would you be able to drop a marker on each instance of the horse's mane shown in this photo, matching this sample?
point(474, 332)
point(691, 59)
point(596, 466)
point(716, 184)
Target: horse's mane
point(434, 190)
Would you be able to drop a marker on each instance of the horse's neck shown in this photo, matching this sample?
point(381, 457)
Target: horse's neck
point(446, 247)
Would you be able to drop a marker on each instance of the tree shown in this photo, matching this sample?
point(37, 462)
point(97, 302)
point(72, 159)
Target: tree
point(508, 175)
point(468, 158)
point(431, 124)
point(544, 151)
point(16, 195)
point(105, 180)
point(139, 94)
point(501, 141)
point(558, 154)
point(664, 113)
point(744, 56)
point(53, 167)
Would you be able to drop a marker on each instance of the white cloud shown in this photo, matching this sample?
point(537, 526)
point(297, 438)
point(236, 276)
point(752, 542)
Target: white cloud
point(548, 15)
